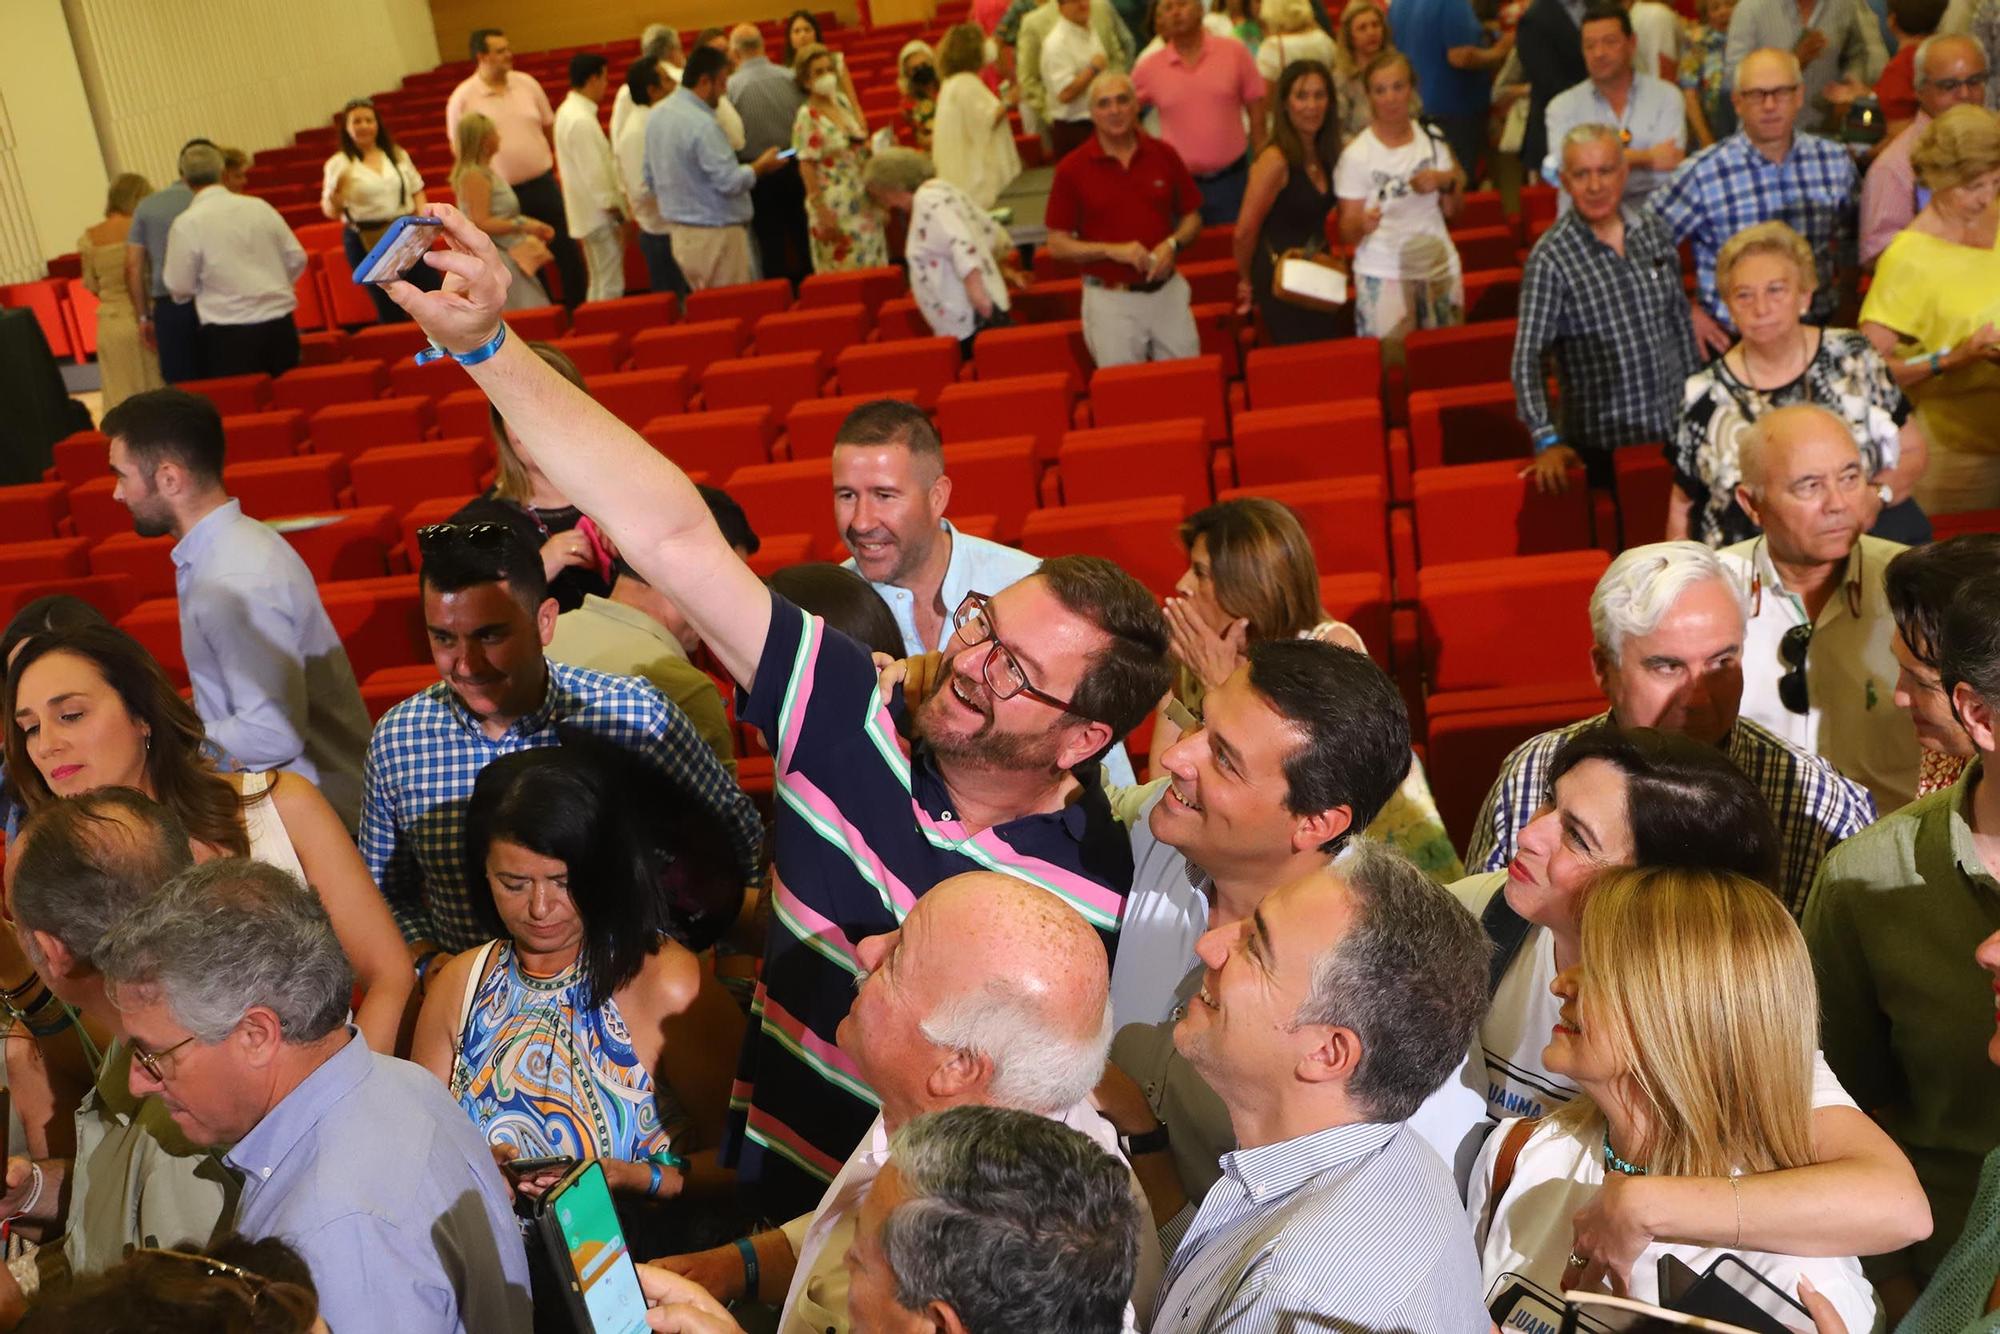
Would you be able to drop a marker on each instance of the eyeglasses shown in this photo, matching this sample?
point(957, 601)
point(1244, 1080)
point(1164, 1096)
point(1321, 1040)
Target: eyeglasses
point(1000, 670)
point(255, 1283)
point(151, 1061)
point(476, 536)
point(1975, 82)
point(1766, 96)
point(294, 1301)
point(1792, 652)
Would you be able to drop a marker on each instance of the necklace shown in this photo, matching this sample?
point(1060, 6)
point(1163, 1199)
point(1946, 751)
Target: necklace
point(1613, 1163)
point(1752, 378)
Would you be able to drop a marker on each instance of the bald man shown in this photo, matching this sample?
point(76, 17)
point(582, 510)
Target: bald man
point(1948, 70)
point(769, 100)
point(993, 992)
point(1819, 664)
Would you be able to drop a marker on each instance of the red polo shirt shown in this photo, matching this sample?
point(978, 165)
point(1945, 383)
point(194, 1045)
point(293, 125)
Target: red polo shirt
point(1096, 198)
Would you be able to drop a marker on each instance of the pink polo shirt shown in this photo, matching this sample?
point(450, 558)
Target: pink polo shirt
point(521, 113)
point(1201, 105)
point(1889, 192)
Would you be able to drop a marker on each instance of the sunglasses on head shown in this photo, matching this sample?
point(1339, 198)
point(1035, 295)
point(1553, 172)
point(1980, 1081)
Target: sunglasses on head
point(470, 536)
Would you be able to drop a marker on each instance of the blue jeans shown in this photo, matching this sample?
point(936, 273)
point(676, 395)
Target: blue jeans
point(177, 330)
point(1222, 193)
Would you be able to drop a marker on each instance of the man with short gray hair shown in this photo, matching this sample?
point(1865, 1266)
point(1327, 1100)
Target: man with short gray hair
point(1324, 1021)
point(1949, 70)
point(769, 98)
point(234, 993)
point(166, 324)
point(237, 261)
point(659, 42)
point(993, 991)
point(1668, 621)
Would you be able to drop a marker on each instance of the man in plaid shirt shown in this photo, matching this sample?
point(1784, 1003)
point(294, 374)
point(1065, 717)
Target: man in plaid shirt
point(1669, 624)
point(1765, 171)
point(488, 615)
point(1602, 291)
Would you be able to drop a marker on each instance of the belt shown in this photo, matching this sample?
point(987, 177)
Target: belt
point(1219, 173)
point(1113, 285)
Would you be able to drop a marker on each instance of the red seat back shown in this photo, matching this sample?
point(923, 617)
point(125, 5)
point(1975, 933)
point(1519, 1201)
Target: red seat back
point(1465, 354)
point(400, 476)
point(350, 428)
point(1345, 519)
point(745, 301)
point(626, 314)
point(717, 442)
point(873, 369)
point(1104, 464)
point(271, 487)
point(1469, 424)
point(1477, 511)
point(1470, 620)
point(232, 394)
point(1039, 405)
point(310, 388)
point(694, 346)
point(1310, 442)
point(998, 477)
point(825, 331)
point(1160, 390)
point(813, 423)
point(786, 497)
point(779, 381)
point(1140, 535)
point(1035, 349)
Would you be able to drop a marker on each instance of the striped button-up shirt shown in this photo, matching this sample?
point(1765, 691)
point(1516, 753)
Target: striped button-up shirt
point(1813, 804)
point(1618, 326)
point(865, 825)
point(1730, 185)
point(427, 752)
point(1354, 1227)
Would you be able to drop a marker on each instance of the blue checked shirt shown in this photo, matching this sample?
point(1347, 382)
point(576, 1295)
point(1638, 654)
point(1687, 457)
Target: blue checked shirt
point(1813, 805)
point(1356, 1227)
point(1730, 185)
point(1618, 326)
point(427, 752)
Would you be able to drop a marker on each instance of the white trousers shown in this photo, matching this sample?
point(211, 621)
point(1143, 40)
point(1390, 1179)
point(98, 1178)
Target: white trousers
point(604, 252)
point(1123, 327)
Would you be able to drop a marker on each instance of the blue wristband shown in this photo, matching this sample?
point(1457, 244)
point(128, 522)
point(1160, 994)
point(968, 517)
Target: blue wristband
point(1547, 438)
point(749, 1253)
point(484, 352)
point(653, 1186)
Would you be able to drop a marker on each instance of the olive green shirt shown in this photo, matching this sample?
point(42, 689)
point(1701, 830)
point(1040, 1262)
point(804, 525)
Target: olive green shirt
point(607, 636)
point(1892, 921)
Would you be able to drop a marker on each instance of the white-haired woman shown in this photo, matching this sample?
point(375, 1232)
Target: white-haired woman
point(961, 262)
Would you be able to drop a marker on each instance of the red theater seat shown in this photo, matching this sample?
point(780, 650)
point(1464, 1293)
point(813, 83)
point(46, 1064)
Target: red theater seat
point(94, 512)
point(900, 319)
point(595, 354)
point(717, 442)
point(812, 423)
point(350, 428)
point(636, 397)
point(625, 314)
point(1478, 511)
point(1482, 248)
point(825, 331)
point(538, 324)
point(1471, 620)
point(1139, 534)
point(1167, 457)
point(403, 475)
point(310, 388)
point(272, 487)
point(744, 301)
point(432, 380)
point(109, 593)
point(49, 558)
point(786, 497)
point(874, 369)
point(232, 394)
point(1464, 354)
point(999, 477)
point(387, 343)
point(82, 457)
point(779, 382)
point(1309, 442)
point(871, 288)
point(466, 412)
point(1159, 391)
point(389, 686)
point(1035, 349)
point(423, 515)
point(1048, 302)
point(1361, 600)
point(1644, 483)
point(1469, 424)
point(30, 511)
point(774, 553)
point(1470, 733)
point(379, 621)
point(691, 345)
point(264, 435)
point(1040, 405)
point(147, 561)
point(156, 623)
point(346, 544)
point(1492, 294)
point(1345, 518)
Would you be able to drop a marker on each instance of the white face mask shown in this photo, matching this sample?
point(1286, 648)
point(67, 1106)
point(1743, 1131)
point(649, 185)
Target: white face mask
point(825, 85)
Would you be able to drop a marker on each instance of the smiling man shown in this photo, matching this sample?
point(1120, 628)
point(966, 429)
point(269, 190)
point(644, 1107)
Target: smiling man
point(489, 616)
point(1668, 620)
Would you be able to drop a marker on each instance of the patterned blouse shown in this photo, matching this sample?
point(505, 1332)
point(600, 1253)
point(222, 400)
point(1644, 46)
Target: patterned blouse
point(539, 1069)
point(951, 237)
point(1846, 375)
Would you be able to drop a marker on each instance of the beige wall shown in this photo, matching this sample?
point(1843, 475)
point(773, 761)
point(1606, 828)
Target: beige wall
point(536, 25)
point(52, 174)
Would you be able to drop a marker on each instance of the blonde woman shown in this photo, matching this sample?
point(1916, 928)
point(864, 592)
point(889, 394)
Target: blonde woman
point(973, 141)
point(570, 558)
point(485, 197)
point(1690, 1025)
point(1931, 309)
point(1362, 34)
point(124, 359)
point(1291, 33)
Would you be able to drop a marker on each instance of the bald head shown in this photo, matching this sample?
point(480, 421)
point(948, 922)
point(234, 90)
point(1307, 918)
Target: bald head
point(993, 991)
point(1769, 447)
point(746, 41)
point(1950, 70)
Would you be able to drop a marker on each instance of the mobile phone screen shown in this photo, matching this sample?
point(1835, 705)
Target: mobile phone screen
point(398, 251)
point(597, 1255)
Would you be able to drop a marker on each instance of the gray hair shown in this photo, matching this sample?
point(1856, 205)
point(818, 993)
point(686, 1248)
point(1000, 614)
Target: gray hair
point(1642, 585)
point(1036, 1067)
point(1014, 1221)
point(747, 39)
point(897, 169)
point(1790, 58)
point(201, 164)
point(1409, 978)
point(1107, 76)
point(657, 40)
point(226, 937)
point(1590, 134)
point(87, 862)
point(1925, 49)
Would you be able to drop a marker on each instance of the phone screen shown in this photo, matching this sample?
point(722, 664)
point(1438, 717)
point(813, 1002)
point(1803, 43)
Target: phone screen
point(597, 1254)
point(398, 251)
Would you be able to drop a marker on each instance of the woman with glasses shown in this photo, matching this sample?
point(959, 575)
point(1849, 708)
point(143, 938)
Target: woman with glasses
point(1636, 797)
point(585, 1028)
point(1934, 308)
point(89, 708)
point(1766, 277)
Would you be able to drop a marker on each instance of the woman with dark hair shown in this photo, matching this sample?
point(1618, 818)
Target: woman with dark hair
point(802, 31)
point(50, 613)
point(582, 1028)
point(1921, 584)
point(844, 601)
point(89, 708)
point(235, 1286)
point(1286, 204)
point(369, 184)
point(1639, 797)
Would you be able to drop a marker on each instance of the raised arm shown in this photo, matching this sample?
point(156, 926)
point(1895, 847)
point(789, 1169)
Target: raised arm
point(652, 511)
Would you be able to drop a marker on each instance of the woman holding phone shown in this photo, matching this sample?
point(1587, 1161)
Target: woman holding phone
point(369, 184)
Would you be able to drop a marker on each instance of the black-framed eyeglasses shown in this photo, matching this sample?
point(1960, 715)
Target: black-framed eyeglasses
point(1950, 86)
point(1792, 652)
point(490, 537)
point(1000, 670)
point(151, 1061)
point(1766, 96)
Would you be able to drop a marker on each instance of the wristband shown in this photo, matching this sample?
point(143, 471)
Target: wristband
point(1936, 368)
point(749, 1253)
point(1547, 438)
point(1155, 1140)
point(653, 1185)
point(484, 352)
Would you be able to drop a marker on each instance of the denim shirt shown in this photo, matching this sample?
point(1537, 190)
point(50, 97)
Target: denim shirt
point(690, 168)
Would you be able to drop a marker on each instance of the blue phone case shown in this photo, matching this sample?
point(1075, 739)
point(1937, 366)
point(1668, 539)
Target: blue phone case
point(399, 249)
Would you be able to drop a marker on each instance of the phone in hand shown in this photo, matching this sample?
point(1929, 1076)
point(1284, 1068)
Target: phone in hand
point(519, 1169)
point(399, 249)
point(787, 154)
point(580, 1227)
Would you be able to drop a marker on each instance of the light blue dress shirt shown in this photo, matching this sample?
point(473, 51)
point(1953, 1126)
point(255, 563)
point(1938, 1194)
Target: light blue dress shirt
point(271, 681)
point(976, 566)
point(372, 1173)
point(1655, 112)
point(690, 169)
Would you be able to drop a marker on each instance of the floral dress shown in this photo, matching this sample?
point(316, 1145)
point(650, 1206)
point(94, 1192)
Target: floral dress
point(837, 153)
point(1846, 376)
point(1704, 72)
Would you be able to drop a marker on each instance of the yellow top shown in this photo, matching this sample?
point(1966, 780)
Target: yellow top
point(1935, 294)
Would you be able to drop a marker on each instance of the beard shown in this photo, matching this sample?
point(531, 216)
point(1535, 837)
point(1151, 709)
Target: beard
point(150, 522)
point(985, 746)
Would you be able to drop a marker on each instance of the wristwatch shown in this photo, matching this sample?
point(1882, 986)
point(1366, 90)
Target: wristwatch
point(1887, 493)
point(1147, 1141)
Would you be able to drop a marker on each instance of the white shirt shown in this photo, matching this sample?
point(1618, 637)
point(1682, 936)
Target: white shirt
point(1411, 240)
point(591, 197)
point(234, 257)
point(1657, 29)
point(373, 195)
point(1556, 1175)
point(973, 151)
point(974, 566)
point(628, 149)
point(951, 238)
point(1852, 721)
point(1524, 1012)
point(1066, 52)
point(1274, 53)
point(817, 1300)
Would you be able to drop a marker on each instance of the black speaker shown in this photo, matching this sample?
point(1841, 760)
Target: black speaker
point(39, 409)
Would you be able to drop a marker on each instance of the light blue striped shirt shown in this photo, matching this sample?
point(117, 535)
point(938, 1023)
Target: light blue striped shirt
point(690, 169)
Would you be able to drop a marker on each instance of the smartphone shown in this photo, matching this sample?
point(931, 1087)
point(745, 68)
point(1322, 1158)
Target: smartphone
point(399, 249)
point(787, 154)
point(597, 1272)
point(1601, 1313)
point(527, 1167)
point(1732, 1291)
